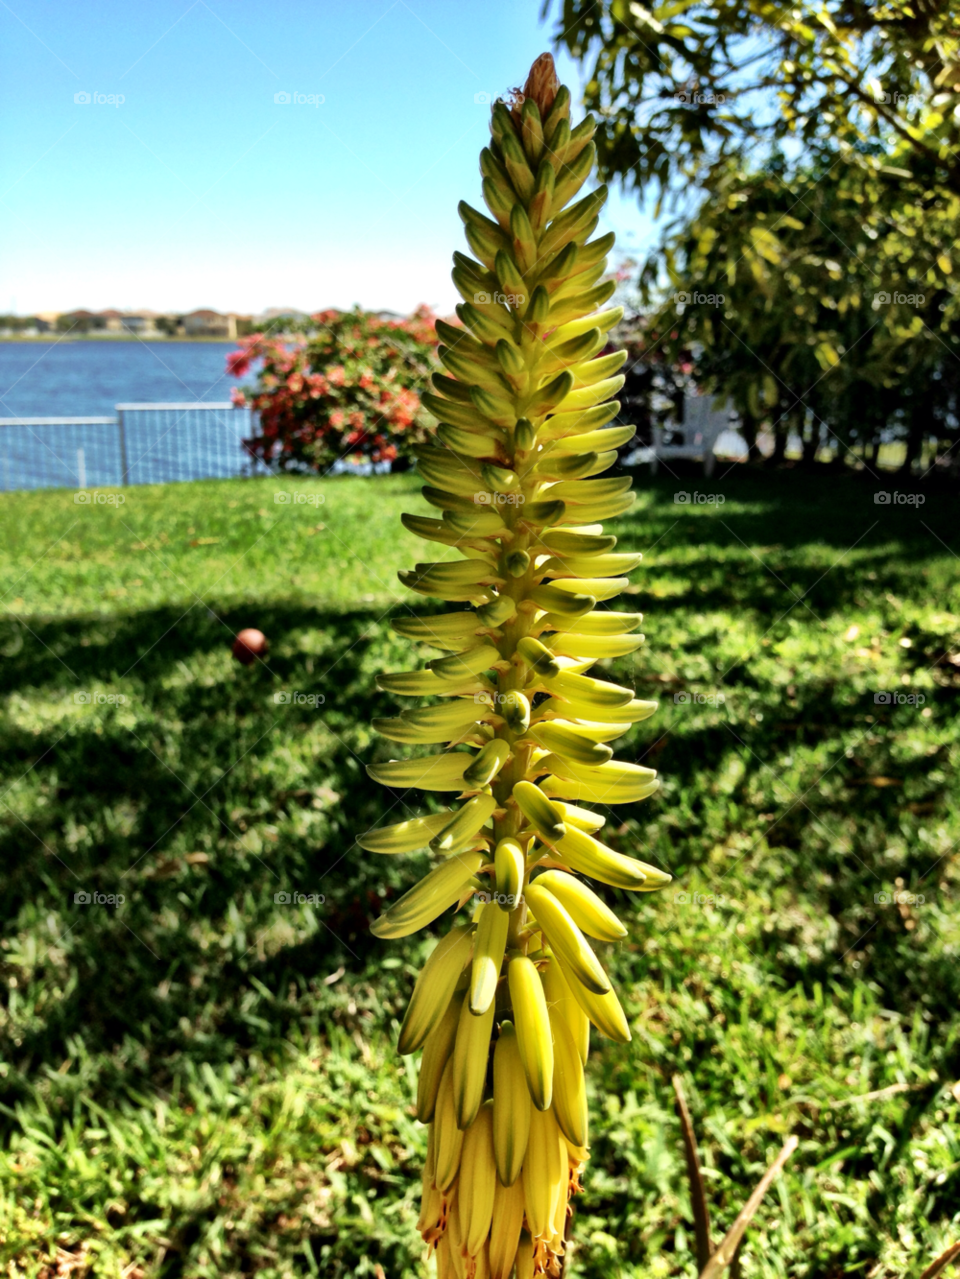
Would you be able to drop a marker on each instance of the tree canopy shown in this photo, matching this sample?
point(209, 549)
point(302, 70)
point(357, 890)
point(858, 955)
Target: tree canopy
point(812, 152)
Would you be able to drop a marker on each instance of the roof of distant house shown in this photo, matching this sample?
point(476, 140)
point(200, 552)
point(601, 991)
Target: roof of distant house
point(204, 314)
point(276, 312)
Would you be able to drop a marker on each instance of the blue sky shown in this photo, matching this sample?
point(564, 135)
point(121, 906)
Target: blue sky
point(199, 189)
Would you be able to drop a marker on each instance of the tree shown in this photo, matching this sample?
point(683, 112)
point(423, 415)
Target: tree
point(828, 323)
point(681, 87)
point(814, 150)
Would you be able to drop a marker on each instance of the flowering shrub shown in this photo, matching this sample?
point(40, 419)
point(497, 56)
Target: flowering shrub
point(344, 386)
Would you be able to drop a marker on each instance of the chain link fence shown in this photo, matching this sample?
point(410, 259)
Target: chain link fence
point(143, 444)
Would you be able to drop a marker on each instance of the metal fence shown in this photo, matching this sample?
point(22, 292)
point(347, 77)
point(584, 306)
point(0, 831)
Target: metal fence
point(143, 444)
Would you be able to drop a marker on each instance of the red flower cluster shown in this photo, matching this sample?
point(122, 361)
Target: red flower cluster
point(339, 385)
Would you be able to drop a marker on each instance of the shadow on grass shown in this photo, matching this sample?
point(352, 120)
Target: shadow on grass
point(203, 799)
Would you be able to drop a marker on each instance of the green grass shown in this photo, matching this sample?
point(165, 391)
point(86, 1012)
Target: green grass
point(202, 1080)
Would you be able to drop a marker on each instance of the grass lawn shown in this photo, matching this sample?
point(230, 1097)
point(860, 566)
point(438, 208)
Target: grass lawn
point(201, 1080)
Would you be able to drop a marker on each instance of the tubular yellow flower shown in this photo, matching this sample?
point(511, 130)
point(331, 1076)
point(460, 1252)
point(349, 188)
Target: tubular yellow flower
point(504, 1005)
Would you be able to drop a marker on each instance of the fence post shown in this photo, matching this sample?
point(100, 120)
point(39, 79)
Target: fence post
point(124, 473)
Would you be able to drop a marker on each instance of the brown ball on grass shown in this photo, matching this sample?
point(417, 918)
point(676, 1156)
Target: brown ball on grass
point(250, 645)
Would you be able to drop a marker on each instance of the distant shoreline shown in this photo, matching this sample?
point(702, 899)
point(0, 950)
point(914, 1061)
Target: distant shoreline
point(118, 337)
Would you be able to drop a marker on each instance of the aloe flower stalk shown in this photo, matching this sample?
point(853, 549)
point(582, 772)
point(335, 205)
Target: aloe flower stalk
point(503, 1006)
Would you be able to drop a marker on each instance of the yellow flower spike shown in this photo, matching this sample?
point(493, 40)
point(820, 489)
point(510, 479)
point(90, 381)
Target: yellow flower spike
point(478, 1181)
point(511, 1106)
point(491, 942)
point(583, 905)
point(562, 1003)
point(508, 863)
point(437, 1051)
point(515, 479)
point(569, 1090)
point(505, 1227)
point(449, 1135)
point(470, 1059)
point(566, 940)
point(534, 1040)
point(544, 1172)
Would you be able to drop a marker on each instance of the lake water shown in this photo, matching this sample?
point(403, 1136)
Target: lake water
point(86, 379)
